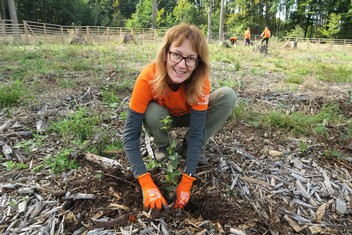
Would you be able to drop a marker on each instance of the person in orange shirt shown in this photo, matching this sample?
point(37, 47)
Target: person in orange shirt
point(177, 85)
point(266, 35)
point(233, 40)
point(247, 37)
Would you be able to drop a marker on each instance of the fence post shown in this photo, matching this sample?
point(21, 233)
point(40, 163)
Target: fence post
point(108, 34)
point(25, 30)
point(62, 34)
point(87, 32)
point(44, 30)
point(98, 34)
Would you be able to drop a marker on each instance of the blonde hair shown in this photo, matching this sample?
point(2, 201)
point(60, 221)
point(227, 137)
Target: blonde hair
point(194, 84)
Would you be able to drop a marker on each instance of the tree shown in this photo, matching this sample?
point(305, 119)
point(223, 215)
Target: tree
point(332, 27)
point(142, 17)
point(185, 12)
point(13, 17)
point(210, 13)
point(221, 25)
point(154, 13)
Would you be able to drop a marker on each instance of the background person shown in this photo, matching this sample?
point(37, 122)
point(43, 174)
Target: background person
point(233, 40)
point(177, 84)
point(247, 37)
point(266, 35)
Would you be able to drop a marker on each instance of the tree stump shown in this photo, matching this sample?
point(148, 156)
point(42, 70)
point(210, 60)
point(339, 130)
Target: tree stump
point(261, 49)
point(291, 44)
point(78, 40)
point(127, 38)
point(225, 44)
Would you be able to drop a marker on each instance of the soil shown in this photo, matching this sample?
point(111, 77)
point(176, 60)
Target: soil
point(214, 208)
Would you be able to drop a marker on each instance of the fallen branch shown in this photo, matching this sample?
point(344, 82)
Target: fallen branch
point(121, 220)
point(103, 161)
point(80, 196)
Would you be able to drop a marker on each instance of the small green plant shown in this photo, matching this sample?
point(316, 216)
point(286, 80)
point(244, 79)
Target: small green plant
point(151, 164)
point(98, 176)
point(11, 165)
point(13, 203)
point(110, 97)
point(61, 162)
point(29, 145)
point(171, 169)
point(322, 131)
point(333, 154)
point(303, 147)
point(123, 116)
point(237, 66)
point(11, 94)
point(80, 124)
point(242, 111)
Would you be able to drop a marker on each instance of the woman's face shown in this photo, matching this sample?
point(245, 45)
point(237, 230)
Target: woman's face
point(181, 61)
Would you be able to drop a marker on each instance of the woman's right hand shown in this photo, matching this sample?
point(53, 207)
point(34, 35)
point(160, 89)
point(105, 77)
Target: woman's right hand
point(152, 197)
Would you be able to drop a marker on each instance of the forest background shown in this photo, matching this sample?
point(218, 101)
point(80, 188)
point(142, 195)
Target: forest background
point(285, 18)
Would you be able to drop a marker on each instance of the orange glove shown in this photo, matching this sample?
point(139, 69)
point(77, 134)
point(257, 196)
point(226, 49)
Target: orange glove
point(183, 191)
point(152, 197)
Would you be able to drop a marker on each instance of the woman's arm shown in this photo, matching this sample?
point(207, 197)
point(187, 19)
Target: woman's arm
point(195, 140)
point(131, 140)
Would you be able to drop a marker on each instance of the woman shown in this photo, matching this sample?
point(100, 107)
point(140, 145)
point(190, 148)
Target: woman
point(176, 85)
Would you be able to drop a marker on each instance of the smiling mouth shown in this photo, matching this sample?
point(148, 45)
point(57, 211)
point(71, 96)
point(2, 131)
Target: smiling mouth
point(179, 72)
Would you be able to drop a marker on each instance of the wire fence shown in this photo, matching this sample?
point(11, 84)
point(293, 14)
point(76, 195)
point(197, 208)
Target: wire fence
point(34, 32)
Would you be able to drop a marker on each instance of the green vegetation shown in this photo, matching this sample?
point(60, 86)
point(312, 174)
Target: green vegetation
point(12, 93)
point(29, 145)
point(11, 165)
point(61, 162)
point(296, 123)
point(78, 125)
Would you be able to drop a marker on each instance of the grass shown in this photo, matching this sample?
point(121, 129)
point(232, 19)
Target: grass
point(12, 93)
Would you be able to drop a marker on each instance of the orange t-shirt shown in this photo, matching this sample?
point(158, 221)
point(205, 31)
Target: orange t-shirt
point(266, 33)
point(174, 101)
point(247, 34)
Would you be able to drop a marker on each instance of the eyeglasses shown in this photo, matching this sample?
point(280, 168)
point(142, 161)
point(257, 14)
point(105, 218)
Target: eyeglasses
point(177, 58)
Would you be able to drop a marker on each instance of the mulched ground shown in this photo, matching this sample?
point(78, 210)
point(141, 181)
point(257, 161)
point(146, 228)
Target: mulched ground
point(217, 206)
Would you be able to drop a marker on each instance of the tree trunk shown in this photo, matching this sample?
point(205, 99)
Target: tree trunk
point(2, 10)
point(13, 16)
point(154, 12)
point(221, 29)
point(209, 19)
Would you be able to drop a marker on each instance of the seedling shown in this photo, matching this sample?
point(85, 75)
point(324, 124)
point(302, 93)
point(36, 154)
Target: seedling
point(171, 169)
